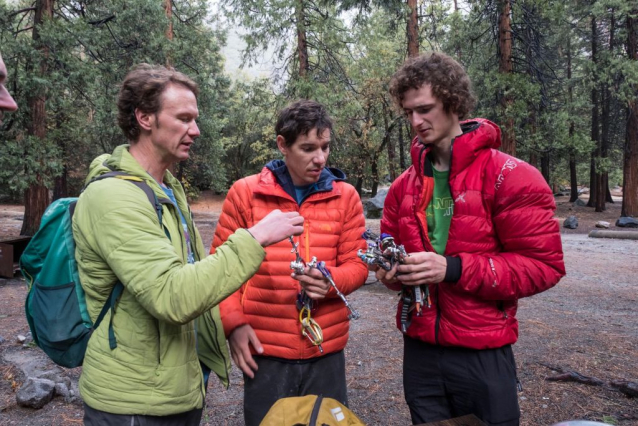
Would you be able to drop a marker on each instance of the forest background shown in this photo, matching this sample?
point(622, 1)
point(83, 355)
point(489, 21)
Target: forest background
point(559, 77)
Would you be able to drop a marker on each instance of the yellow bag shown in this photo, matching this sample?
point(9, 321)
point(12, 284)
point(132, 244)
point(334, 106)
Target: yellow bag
point(310, 410)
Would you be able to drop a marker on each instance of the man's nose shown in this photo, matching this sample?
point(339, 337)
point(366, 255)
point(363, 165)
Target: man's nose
point(6, 101)
point(416, 120)
point(193, 130)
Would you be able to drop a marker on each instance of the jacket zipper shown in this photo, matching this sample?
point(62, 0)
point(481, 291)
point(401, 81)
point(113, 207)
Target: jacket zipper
point(306, 231)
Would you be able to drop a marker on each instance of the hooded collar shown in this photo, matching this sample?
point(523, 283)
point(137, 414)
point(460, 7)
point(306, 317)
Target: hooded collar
point(478, 134)
point(283, 178)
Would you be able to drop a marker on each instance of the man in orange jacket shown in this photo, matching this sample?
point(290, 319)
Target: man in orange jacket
point(263, 320)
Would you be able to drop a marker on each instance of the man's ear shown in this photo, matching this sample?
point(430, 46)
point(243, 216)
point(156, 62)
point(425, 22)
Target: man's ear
point(281, 144)
point(144, 119)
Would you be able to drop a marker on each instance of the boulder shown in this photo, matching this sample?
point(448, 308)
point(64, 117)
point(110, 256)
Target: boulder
point(373, 207)
point(35, 393)
point(602, 224)
point(571, 222)
point(627, 222)
point(579, 203)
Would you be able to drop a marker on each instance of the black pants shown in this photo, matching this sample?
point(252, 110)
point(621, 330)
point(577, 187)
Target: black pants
point(93, 417)
point(277, 378)
point(445, 382)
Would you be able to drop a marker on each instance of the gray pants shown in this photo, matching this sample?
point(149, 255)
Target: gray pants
point(93, 417)
point(277, 378)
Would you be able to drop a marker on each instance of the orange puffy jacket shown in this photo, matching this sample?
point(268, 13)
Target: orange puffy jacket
point(333, 225)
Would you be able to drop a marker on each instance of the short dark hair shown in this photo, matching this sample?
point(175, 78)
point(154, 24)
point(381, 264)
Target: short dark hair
point(142, 89)
point(301, 117)
point(449, 81)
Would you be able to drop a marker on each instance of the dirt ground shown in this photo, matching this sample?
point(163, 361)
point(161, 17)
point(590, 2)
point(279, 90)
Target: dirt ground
point(587, 324)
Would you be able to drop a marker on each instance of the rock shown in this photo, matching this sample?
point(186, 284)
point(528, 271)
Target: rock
point(35, 393)
point(374, 206)
point(627, 222)
point(22, 338)
point(1, 340)
point(571, 222)
point(579, 203)
point(602, 224)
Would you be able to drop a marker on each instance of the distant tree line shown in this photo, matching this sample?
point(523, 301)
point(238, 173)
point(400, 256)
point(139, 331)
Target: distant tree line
point(560, 78)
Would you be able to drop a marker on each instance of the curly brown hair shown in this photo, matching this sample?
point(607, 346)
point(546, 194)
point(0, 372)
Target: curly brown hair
point(449, 81)
point(142, 89)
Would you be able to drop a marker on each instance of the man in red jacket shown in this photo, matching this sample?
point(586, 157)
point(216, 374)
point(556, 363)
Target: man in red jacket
point(263, 320)
point(479, 230)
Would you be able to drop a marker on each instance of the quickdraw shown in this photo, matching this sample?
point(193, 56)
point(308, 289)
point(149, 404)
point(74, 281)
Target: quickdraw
point(310, 328)
point(305, 305)
point(384, 252)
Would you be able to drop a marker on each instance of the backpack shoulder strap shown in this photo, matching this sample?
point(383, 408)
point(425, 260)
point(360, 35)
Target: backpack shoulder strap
point(157, 206)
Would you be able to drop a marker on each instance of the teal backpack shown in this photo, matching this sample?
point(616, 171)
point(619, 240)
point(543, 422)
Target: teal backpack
point(55, 305)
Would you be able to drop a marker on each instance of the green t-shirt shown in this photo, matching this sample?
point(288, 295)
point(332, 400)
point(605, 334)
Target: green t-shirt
point(439, 211)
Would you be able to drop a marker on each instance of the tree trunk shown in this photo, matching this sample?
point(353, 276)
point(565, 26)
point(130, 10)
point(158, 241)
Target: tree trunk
point(302, 44)
point(391, 156)
point(457, 48)
point(36, 197)
point(573, 181)
point(533, 158)
point(413, 29)
point(595, 182)
point(573, 177)
point(604, 195)
point(508, 144)
point(630, 169)
point(545, 166)
point(168, 7)
point(61, 187)
point(402, 150)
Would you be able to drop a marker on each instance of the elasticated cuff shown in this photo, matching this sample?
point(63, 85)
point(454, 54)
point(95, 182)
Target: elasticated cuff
point(453, 270)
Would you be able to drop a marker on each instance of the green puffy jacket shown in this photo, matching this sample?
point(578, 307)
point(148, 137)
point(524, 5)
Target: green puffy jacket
point(154, 370)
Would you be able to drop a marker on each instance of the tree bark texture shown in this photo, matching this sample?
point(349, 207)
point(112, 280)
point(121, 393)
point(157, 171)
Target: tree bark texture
point(508, 138)
point(595, 177)
point(573, 176)
point(413, 29)
point(302, 43)
point(36, 197)
point(630, 168)
point(168, 7)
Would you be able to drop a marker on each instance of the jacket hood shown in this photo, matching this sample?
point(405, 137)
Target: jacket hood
point(478, 134)
point(328, 175)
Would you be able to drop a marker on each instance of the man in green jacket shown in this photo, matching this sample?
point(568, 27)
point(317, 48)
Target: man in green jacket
point(167, 312)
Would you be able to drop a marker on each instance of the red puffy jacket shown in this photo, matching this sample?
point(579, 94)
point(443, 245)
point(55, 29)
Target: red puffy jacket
point(333, 225)
point(502, 229)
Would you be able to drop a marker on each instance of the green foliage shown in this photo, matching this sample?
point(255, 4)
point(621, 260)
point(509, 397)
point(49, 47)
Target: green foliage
point(92, 45)
point(353, 49)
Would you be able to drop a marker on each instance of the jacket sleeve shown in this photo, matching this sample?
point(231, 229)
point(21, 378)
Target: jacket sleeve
point(390, 220)
point(350, 272)
point(125, 233)
point(531, 258)
point(234, 216)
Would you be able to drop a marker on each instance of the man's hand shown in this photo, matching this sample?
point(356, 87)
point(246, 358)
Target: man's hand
point(313, 282)
point(387, 277)
point(276, 227)
point(240, 340)
point(422, 268)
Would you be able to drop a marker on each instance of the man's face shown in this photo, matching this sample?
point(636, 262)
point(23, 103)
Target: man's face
point(307, 157)
point(427, 116)
point(6, 101)
point(173, 129)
